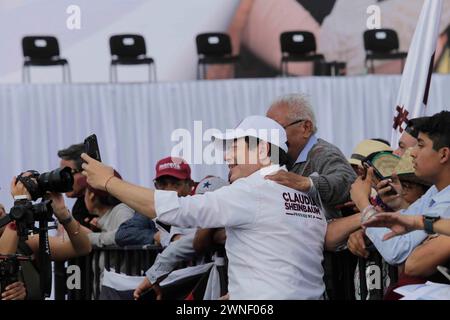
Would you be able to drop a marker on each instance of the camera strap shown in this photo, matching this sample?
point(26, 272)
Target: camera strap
point(45, 265)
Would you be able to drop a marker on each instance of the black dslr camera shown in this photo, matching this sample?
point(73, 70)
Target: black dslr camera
point(25, 213)
point(58, 180)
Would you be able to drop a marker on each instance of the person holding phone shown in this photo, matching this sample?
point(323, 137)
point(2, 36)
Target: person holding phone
point(402, 190)
point(74, 243)
point(264, 262)
point(393, 194)
point(431, 159)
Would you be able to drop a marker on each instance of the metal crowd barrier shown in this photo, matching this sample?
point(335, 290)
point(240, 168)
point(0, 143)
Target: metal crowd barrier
point(136, 260)
point(131, 260)
point(375, 259)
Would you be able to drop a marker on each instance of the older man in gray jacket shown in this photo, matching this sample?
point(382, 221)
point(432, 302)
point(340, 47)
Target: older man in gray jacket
point(318, 167)
point(317, 164)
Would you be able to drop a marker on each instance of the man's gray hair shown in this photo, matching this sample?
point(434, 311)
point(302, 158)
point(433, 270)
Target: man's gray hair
point(299, 107)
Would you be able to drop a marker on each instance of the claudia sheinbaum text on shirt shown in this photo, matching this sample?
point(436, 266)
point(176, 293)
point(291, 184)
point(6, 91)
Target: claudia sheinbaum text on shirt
point(275, 235)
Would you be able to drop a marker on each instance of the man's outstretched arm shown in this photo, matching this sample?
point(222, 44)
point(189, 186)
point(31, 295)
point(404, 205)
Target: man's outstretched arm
point(101, 177)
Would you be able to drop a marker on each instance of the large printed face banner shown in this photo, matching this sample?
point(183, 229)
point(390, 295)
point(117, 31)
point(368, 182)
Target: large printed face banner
point(338, 26)
point(83, 28)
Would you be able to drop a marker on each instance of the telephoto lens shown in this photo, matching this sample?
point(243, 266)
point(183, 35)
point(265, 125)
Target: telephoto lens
point(59, 180)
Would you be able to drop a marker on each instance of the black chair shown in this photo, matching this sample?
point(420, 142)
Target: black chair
point(129, 49)
point(42, 51)
point(298, 46)
point(382, 44)
point(213, 48)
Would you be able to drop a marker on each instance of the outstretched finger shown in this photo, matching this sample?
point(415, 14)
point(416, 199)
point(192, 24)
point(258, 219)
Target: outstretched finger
point(370, 174)
point(395, 178)
point(86, 157)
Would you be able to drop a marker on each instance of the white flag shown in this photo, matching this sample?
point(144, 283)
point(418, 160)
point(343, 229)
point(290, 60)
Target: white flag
point(416, 78)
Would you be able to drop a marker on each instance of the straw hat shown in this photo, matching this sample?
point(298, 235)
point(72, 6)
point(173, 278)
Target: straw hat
point(365, 148)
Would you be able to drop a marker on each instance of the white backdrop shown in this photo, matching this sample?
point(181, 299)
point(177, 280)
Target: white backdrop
point(134, 122)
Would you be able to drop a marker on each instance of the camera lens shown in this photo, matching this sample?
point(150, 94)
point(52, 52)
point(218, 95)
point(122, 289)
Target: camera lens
point(59, 180)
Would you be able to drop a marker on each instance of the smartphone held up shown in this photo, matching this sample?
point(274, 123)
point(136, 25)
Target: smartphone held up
point(91, 147)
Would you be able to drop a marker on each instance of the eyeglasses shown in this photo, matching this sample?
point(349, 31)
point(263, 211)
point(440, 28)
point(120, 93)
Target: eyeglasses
point(295, 122)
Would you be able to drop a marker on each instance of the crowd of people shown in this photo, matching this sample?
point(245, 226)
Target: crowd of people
point(295, 220)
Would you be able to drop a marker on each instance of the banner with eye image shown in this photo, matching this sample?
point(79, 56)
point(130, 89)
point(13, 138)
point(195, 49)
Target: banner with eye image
point(169, 29)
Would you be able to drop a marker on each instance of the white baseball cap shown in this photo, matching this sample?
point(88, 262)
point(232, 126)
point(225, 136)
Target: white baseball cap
point(259, 127)
point(209, 184)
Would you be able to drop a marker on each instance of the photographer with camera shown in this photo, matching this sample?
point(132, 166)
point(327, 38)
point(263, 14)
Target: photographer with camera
point(16, 290)
point(61, 249)
point(31, 186)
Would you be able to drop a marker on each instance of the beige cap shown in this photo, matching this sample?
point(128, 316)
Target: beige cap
point(365, 148)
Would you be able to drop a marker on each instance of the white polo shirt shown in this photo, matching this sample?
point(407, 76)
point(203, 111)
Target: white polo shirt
point(275, 235)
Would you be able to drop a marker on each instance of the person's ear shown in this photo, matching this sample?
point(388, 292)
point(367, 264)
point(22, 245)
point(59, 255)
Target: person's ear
point(308, 128)
point(263, 152)
point(444, 154)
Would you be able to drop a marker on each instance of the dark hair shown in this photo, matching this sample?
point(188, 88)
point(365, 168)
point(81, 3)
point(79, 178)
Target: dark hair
point(108, 200)
point(73, 153)
point(382, 141)
point(166, 179)
point(276, 154)
point(423, 186)
point(436, 127)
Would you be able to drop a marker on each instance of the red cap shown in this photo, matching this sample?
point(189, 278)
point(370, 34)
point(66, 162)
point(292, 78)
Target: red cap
point(174, 167)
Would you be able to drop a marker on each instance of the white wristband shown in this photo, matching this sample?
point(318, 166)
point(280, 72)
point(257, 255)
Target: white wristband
point(21, 197)
point(368, 213)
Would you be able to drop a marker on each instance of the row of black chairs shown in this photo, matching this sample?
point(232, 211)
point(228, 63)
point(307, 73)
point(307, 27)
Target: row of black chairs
point(300, 46)
point(126, 49)
point(212, 48)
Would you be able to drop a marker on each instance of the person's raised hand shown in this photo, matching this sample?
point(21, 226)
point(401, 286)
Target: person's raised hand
point(357, 245)
point(18, 189)
point(398, 223)
point(291, 180)
point(97, 173)
point(361, 190)
point(15, 291)
point(146, 285)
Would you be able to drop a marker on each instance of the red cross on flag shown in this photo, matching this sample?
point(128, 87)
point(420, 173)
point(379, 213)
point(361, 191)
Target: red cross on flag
point(416, 78)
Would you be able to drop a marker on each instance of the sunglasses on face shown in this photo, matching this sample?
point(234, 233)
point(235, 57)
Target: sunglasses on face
point(295, 122)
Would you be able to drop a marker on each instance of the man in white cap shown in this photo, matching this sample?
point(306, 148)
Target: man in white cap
point(275, 234)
